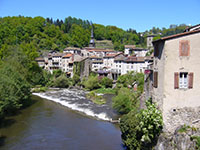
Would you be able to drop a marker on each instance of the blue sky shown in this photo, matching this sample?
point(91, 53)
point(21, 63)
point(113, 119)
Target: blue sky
point(137, 14)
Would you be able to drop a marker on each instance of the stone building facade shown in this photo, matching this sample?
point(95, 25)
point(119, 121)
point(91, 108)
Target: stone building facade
point(176, 77)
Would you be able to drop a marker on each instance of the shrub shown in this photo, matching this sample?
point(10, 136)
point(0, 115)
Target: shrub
point(75, 79)
point(92, 83)
point(61, 82)
point(141, 129)
point(124, 101)
point(106, 82)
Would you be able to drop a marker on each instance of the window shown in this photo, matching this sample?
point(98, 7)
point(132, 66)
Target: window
point(184, 48)
point(183, 80)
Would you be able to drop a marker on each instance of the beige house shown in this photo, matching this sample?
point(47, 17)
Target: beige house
point(176, 77)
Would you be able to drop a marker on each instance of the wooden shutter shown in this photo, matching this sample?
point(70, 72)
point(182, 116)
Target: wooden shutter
point(190, 83)
point(184, 48)
point(155, 79)
point(176, 80)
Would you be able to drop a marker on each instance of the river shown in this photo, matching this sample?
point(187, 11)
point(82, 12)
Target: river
point(65, 120)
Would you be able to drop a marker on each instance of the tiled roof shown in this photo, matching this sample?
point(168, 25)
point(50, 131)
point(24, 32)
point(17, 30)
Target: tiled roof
point(39, 59)
point(134, 59)
point(67, 55)
point(129, 46)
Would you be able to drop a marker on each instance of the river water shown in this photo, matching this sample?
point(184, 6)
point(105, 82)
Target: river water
point(64, 120)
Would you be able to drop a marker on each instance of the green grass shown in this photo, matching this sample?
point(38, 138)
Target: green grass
point(105, 91)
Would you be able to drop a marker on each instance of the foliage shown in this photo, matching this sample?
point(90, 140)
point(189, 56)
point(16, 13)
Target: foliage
point(76, 79)
point(140, 129)
point(61, 82)
point(97, 99)
point(14, 85)
point(92, 83)
point(105, 91)
point(127, 80)
point(106, 82)
point(124, 101)
point(183, 129)
point(57, 73)
point(197, 140)
point(128, 126)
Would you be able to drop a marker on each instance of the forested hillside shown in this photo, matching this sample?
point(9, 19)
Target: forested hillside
point(39, 33)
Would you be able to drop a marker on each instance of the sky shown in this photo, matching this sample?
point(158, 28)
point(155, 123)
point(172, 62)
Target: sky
point(140, 15)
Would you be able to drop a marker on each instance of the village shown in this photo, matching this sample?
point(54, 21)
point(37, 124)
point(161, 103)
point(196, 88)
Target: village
point(105, 62)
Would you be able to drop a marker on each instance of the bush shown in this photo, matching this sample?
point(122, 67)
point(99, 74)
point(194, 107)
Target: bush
point(92, 83)
point(128, 79)
point(141, 129)
point(106, 82)
point(124, 101)
point(57, 73)
point(61, 82)
point(76, 79)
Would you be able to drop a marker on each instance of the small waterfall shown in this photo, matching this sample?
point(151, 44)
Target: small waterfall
point(76, 100)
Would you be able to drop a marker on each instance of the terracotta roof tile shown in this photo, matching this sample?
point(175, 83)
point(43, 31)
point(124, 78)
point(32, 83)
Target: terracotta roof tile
point(67, 55)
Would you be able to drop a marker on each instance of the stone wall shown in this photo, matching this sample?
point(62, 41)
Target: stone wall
point(180, 140)
point(180, 116)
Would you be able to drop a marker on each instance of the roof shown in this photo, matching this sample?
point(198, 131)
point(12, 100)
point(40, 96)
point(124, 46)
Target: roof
point(94, 56)
point(57, 54)
point(67, 55)
point(195, 27)
point(176, 35)
point(97, 61)
point(78, 58)
point(98, 49)
point(134, 59)
point(112, 55)
point(129, 46)
point(39, 59)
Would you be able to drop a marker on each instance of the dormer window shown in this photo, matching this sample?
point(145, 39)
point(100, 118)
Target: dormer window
point(184, 48)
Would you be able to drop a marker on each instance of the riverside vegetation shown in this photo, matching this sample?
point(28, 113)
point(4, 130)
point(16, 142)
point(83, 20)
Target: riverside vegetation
point(140, 128)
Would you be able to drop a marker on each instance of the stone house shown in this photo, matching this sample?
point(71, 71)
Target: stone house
point(67, 64)
point(176, 77)
point(149, 41)
point(133, 50)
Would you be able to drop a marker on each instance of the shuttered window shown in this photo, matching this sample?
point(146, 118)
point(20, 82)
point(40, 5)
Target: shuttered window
point(183, 80)
point(184, 48)
point(191, 76)
point(155, 79)
point(176, 80)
